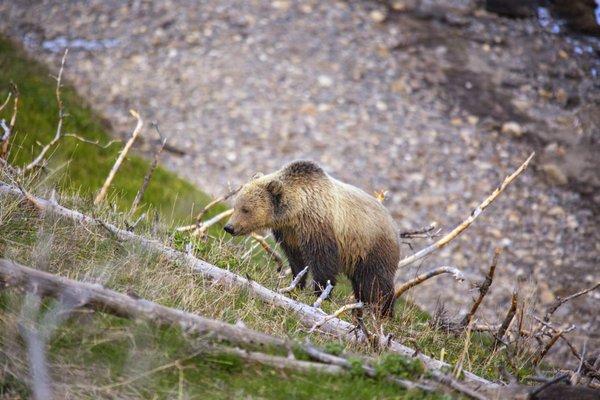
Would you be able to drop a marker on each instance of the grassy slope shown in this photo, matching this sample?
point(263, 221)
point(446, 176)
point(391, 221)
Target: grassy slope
point(92, 356)
point(89, 164)
point(101, 356)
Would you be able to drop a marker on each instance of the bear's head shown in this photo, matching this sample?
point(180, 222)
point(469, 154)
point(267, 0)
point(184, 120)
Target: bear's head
point(257, 206)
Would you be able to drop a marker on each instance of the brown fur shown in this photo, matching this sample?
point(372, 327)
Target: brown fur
point(326, 224)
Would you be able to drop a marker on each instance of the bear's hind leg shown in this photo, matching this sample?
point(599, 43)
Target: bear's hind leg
point(373, 281)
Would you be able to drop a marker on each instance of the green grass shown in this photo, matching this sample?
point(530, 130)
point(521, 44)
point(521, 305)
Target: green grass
point(101, 356)
point(87, 165)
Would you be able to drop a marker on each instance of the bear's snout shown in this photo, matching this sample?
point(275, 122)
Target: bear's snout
point(229, 229)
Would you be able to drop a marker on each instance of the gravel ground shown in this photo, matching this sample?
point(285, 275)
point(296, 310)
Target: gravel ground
point(435, 104)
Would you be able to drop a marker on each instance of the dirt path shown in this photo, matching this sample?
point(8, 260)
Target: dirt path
point(412, 100)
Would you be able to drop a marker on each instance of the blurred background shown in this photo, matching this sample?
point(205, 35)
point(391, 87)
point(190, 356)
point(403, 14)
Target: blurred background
point(432, 101)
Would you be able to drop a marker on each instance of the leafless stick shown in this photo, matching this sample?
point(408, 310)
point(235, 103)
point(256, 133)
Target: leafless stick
point(426, 232)
point(281, 362)
point(6, 101)
point(483, 288)
point(119, 161)
point(263, 243)
point(465, 224)
point(140, 193)
point(203, 228)
point(4, 139)
point(446, 380)
point(403, 287)
point(324, 295)
point(459, 365)
point(336, 314)
point(577, 376)
point(306, 314)
point(592, 370)
point(295, 281)
point(547, 347)
point(94, 142)
point(215, 202)
point(508, 319)
point(61, 115)
point(560, 301)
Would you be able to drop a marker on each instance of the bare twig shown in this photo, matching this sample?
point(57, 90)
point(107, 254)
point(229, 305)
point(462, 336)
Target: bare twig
point(403, 287)
point(263, 243)
point(560, 301)
point(465, 224)
point(214, 202)
point(547, 347)
point(4, 139)
point(483, 288)
point(336, 314)
point(140, 194)
point(6, 101)
point(508, 319)
point(306, 314)
point(119, 161)
point(61, 114)
point(459, 364)
point(203, 228)
point(94, 142)
point(295, 281)
point(324, 295)
point(426, 232)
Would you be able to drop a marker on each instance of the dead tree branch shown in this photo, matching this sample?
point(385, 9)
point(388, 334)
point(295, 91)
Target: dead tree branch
point(426, 232)
point(324, 295)
point(6, 101)
point(547, 347)
point(94, 142)
point(119, 161)
point(97, 297)
point(140, 193)
point(483, 289)
point(560, 301)
point(403, 287)
point(508, 319)
point(203, 228)
point(215, 202)
point(295, 281)
point(270, 251)
point(307, 314)
point(441, 243)
point(61, 114)
point(336, 314)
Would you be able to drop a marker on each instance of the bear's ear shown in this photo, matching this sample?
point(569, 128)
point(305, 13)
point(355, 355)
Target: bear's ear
point(275, 187)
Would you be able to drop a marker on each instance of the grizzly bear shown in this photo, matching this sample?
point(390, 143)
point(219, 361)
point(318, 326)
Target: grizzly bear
point(325, 224)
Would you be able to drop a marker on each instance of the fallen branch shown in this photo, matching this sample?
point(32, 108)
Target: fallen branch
point(263, 243)
point(547, 347)
point(203, 228)
point(483, 289)
point(120, 158)
point(6, 101)
point(560, 301)
point(426, 232)
point(401, 288)
point(324, 295)
point(94, 142)
point(97, 297)
point(336, 314)
point(4, 139)
point(306, 314)
point(61, 114)
point(295, 281)
point(215, 202)
point(140, 193)
point(464, 225)
point(508, 319)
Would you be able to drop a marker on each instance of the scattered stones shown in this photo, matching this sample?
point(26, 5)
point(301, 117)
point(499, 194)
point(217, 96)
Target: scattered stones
point(512, 128)
point(554, 174)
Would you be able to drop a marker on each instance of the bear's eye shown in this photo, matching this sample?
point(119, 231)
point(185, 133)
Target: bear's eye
point(245, 210)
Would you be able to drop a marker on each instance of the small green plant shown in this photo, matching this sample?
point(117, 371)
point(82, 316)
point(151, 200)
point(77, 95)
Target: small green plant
point(395, 364)
point(335, 348)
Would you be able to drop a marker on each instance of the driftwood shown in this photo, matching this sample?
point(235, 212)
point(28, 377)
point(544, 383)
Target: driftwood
point(306, 314)
point(324, 295)
point(441, 243)
point(295, 281)
point(138, 128)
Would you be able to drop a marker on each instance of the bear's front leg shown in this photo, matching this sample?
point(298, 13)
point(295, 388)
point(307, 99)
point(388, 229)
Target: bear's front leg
point(322, 256)
point(294, 257)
